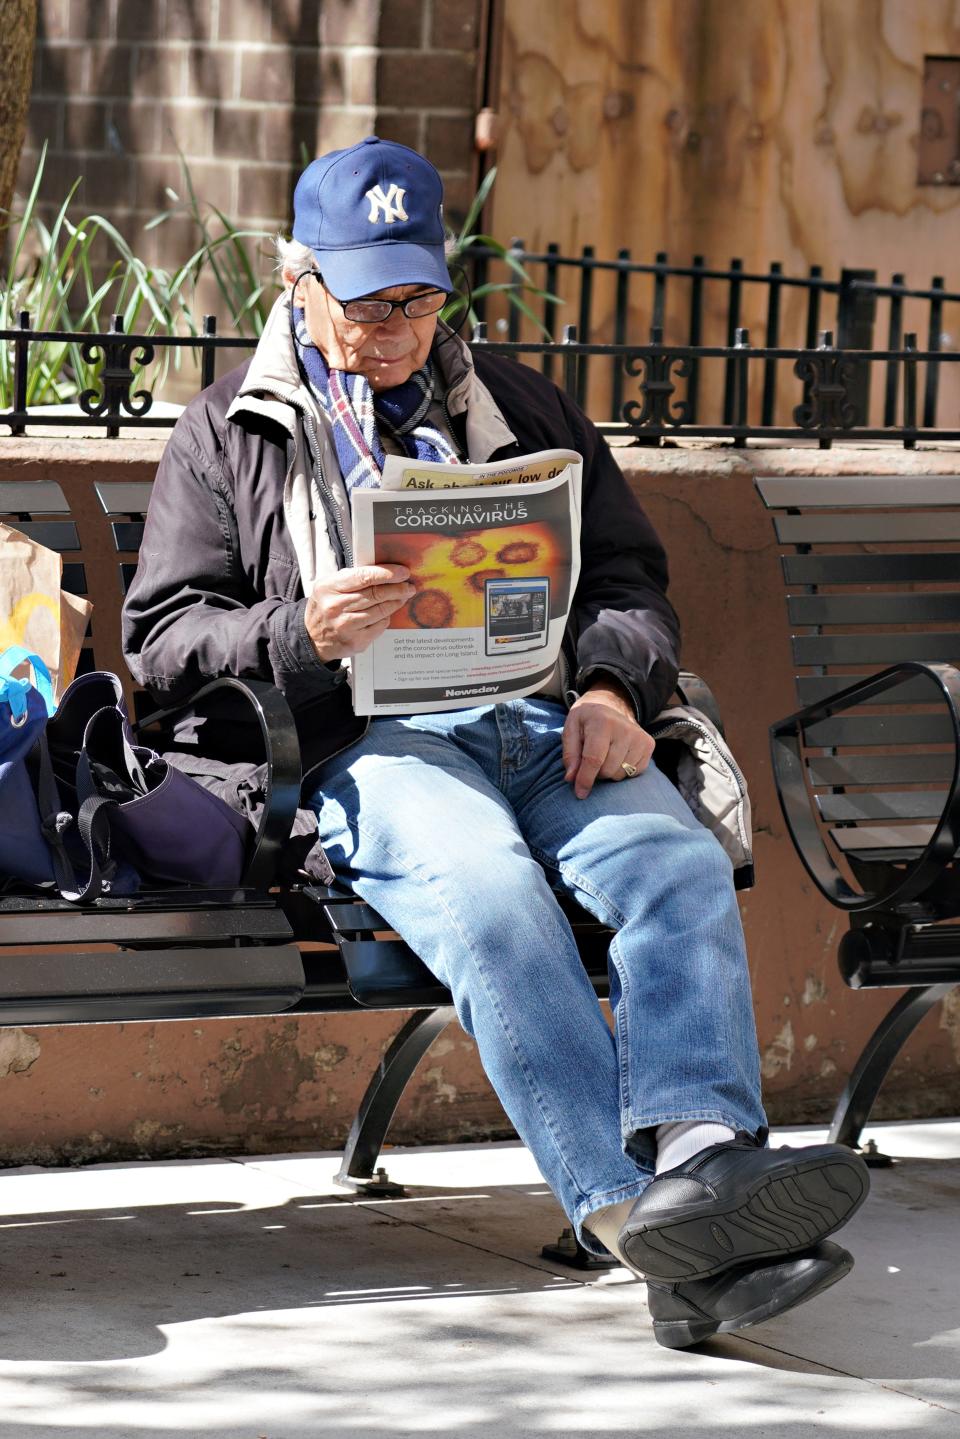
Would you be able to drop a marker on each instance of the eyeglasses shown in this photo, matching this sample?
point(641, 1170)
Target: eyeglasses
point(374, 312)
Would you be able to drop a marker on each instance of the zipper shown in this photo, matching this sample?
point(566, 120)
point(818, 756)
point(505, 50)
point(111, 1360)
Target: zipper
point(686, 722)
point(725, 755)
point(449, 419)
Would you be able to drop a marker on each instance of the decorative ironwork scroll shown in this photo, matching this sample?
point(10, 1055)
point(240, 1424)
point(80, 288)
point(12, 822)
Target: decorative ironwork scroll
point(657, 388)
point(116, 377)
point(828, 376)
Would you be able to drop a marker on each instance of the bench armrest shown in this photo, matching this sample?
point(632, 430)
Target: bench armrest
point(281, 750)
point(788, 772)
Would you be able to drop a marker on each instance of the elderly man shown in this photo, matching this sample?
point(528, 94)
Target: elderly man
point(461, 827)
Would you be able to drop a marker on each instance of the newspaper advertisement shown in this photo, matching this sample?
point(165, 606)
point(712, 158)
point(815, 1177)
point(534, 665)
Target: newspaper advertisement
point(406, 474)
point(495, 563)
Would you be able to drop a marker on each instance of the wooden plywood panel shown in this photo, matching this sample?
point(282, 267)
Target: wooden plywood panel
point(762, 129)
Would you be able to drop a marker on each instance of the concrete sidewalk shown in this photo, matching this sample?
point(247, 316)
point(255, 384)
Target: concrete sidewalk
point(249, 1299)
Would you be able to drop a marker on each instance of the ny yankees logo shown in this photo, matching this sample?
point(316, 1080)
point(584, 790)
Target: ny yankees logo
point(390, 205)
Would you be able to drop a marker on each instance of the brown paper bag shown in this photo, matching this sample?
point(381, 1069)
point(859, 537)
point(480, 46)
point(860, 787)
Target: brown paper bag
point(35, 611)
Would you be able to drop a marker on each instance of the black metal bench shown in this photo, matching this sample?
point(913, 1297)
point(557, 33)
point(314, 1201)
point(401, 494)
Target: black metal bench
point(183, 953)
point(867, 769)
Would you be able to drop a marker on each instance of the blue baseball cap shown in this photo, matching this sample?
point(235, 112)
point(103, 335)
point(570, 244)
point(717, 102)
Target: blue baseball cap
point(373, 217)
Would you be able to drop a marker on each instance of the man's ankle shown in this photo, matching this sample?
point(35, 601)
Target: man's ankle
point(605, 1224)
point(677, 1142)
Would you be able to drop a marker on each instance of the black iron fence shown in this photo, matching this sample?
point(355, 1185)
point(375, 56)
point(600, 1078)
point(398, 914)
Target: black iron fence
point(120, 362)
point(687, 301)
point(828, 387)
point(819, 390)
point(624, 302)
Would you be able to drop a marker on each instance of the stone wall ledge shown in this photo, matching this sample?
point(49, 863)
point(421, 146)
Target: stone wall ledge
point(708, 457)
point(85, 446)
point(46, 445)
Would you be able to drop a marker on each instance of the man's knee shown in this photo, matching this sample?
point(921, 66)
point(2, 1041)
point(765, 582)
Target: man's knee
point(690, 863)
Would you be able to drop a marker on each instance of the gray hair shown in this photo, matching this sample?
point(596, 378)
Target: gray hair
point(293, 257)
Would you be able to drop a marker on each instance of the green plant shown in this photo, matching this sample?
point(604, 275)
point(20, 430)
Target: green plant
point(459, 247)
point(56, 274)
point(247, 297)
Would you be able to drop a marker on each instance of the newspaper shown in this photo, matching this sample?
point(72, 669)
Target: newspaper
point(494, 553)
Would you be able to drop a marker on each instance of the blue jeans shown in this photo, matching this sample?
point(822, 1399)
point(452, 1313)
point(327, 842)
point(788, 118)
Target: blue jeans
point(458, 828)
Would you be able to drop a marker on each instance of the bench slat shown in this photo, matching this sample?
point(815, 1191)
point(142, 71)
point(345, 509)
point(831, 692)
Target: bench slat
point(353, 919)
point(68, 988)
point(55, 534)
point(811, 688)
point(834, 569)
point(191, 922)
point(127, 534)
point(906, 729)
point(872, 769)
point(867, 528)
point(74, 579)
point(856, 491)
point(905, 854)
point(123, 497)
point(878, 837)
point(875, 608)
point(386, 974)
point(875, 649)
point(32, 497)
point(892, 804)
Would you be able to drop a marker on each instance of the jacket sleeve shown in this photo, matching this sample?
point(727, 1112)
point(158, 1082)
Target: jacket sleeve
point(623, 622)
point(191, 613)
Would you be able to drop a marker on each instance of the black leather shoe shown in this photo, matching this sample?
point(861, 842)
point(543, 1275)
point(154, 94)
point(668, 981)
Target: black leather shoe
point(736, 1203)
point(688, 1313)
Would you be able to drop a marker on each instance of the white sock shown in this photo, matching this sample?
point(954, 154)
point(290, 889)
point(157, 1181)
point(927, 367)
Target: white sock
point(606, 1224)
point(675, 1143)
point(682, 1140)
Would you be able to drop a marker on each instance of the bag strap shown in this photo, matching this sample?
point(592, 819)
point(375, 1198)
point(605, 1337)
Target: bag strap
point(132, 769)
point(93, 827)
point(93, 824)
point(11, 659)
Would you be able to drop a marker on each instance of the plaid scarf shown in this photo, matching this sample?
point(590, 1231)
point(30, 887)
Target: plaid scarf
point(354, 412)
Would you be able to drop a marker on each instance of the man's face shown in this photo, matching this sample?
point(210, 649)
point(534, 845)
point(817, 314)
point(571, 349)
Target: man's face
point(387, 353)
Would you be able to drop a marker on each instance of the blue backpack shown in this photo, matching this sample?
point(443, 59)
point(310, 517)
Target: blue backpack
point(24, 708)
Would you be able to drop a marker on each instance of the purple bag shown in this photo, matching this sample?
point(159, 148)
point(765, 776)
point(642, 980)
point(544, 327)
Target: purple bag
point(159, 820)
point(165, 824)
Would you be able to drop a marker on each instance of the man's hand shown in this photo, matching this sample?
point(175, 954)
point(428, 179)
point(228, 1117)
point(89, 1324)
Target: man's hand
point(345, 614)
point(600, 735)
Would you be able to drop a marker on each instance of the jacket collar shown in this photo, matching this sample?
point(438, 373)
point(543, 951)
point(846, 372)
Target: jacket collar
point(466, 394)
point(273, 383)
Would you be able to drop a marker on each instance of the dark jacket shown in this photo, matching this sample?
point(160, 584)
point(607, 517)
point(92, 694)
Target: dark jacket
point(217, 590)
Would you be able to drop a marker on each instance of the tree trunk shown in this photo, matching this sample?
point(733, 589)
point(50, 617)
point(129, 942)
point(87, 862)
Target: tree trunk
point(18, 26)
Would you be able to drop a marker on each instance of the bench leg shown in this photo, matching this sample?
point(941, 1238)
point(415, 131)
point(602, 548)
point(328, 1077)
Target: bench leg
point(881, 1049)
point(569, 1251)
point(392, 1074)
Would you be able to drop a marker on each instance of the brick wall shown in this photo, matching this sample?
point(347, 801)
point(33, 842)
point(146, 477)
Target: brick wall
point(241, 87)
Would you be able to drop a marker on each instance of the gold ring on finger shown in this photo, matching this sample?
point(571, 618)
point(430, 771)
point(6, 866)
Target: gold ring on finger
point(630, 770)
